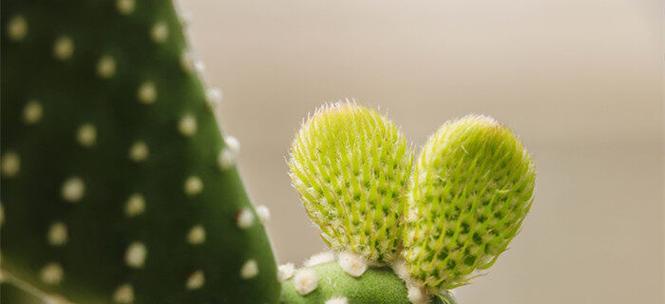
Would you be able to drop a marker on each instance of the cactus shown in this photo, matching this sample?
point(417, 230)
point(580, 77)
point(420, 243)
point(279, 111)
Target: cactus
point(117, 186)
point(471, 188)
point(350, 166)
point(467, 196)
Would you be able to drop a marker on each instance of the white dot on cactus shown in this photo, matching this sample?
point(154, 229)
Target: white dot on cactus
point(86, 135)
point(337, 300)
point(17, 28)
point(32, 112)
point(135, 205)
point(147, 93)
point(52, 274)
point(232, 143)
point(196, 235)
point(305, 281)
point(320, 258)
point(285, 272)
point(199, 66)
point(11, 164)
point(193, 185)
point(106, 67)
point(139, 151)
point(125, 7)
point(263, 212)
point(214, 97)
point(56, 299)
point(249, 270)
point(196, 280)
point(57, 234)
point(187, 125)
point(245, 218)
point(417, 295)
point(63, 48)
point(159, 32)
point(73, 189)
point(136, 254)
point(227, 157)
point(124, 294)
point(352, 264)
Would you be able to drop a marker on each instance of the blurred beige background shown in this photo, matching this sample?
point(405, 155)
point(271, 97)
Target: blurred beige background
point(580, 80)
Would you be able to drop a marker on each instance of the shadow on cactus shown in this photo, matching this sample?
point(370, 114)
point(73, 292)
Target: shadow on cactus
point(403, 232)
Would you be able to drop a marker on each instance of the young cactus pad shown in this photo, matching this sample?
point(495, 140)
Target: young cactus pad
point(117, 186)
point(471, 188)
point(351, 166)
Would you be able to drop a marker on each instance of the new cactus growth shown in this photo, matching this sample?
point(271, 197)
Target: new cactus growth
point(350, 166)
point(117, 186)
point(471, 188)
point(468, 194)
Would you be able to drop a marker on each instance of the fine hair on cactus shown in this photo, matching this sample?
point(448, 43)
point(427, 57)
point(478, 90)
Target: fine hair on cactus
point(471, 188)
point(465, 198)
point(350, 165)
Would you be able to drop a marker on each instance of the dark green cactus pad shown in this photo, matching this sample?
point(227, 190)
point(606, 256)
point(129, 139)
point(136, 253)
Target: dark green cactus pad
point(116, 182)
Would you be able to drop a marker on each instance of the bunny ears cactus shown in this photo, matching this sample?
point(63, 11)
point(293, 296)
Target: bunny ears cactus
point(351, 167)
point(437, 223)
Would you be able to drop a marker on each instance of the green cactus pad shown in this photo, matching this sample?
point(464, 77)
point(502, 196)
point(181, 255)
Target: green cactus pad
point(117, 186)
point(351, 166)
point(376, 285)
point(335, 286)
point(471, 188)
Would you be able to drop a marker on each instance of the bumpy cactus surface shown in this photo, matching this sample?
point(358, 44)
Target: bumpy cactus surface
point(471, 188)
point(350, 165)
point(117, 186)
point(468, 194)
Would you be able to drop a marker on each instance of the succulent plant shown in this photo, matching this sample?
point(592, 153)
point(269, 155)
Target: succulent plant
point(467, 196)
point(471, 188)
point(117, 186)
point(351, 165)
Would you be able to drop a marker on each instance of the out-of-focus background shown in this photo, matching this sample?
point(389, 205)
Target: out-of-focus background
point(581, 81)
